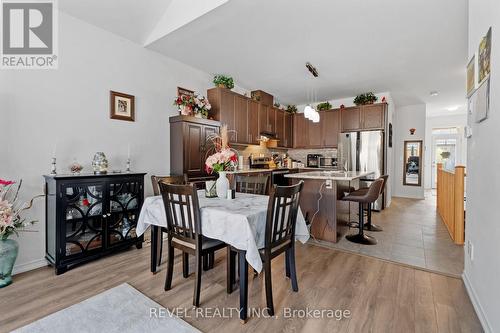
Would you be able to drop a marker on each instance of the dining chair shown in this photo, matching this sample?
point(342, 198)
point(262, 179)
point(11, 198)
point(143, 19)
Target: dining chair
point(252, 184)
point(184, 231)
point(279, 237)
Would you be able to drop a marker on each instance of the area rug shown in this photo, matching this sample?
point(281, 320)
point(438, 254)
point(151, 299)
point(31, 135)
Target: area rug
point(122, 309)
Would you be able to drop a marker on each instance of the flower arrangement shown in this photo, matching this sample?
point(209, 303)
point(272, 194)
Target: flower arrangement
point(363, 99)
point(223, 158)
point(11, 208)
point(193, 105)
point(323, 106)
point(223, 81)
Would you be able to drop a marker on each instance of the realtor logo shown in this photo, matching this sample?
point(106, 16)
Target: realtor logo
point(29, 34)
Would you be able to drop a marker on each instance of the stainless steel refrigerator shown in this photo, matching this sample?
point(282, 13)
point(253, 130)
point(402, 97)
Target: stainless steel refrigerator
point(363, 151)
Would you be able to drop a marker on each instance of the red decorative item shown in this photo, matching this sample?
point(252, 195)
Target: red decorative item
point(412, 131)
point(342, 106)
point(85, 202)
point(384, 99)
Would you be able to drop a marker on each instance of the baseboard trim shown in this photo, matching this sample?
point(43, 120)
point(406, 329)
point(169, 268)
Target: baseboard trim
point(477, 306)
point(28, 266)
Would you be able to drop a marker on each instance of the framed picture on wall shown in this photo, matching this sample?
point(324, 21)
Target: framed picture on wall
point(122, 106)
point(184, 92)
point(484, 54)
point(471, 76)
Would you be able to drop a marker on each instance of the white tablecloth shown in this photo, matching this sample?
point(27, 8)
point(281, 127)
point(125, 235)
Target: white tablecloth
point(239, 222)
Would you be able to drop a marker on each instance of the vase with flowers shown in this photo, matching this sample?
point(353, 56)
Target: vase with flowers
point(222, 160)
point(11, 222)
point(193, 105)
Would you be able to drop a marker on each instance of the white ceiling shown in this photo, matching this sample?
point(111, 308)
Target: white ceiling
point(406, 47)
point(132, 19)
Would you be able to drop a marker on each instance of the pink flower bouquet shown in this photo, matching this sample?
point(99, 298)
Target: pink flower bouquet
point(223, 160)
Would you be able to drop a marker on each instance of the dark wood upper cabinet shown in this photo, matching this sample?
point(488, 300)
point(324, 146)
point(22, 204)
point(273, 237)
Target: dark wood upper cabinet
point(241, 119)
point(288, 130)
point(223, 108)
point(280, 127)
point(350, 118)
point(263, 118)
point(189, 144)
point(314, 137)
point(330, 127)
point(271, 118)
point(253, 122)
point(373, 116)
point(300, 131)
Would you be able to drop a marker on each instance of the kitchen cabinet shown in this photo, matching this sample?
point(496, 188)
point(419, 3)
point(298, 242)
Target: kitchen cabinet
point(314, 137)
point(330, 127)
point(288, 130)
point(271, 119)
point(300, 131)
point(365, 117)
point(373, 116)
point(189, 145)
point(240, 119)
point(253, 122)
point(223, 108)
point(263, 118)
point(350, 118)
point(280, 128)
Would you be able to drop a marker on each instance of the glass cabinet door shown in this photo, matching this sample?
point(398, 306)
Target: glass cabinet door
point(83, 217)
point(124, 199)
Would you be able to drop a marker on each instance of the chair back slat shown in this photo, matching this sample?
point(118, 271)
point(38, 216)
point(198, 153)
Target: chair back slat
point(183, 211)
point(252, 184)
point(167, 180)
point(282, 214)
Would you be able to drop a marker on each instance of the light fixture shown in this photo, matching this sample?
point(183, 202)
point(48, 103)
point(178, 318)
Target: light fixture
point(315, 117)
point(434, 93)
point(452, 108)
point(308, 112)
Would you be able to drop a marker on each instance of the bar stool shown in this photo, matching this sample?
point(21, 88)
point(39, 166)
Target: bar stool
point(364, 197)
point(369, 225)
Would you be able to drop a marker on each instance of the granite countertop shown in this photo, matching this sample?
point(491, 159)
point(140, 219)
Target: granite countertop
point(330, 175)
point(248, 170)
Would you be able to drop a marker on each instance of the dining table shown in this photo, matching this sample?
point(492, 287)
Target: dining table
point(239, 222)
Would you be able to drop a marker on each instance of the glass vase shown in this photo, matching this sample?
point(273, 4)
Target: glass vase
point(8, 255)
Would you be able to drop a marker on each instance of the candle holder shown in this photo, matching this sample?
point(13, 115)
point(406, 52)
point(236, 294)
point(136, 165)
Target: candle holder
point(53, 169)
point(127, 169)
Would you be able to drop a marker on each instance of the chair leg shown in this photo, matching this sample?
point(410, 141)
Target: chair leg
point(185, 264)
point(161, 249)
point(170, 267)
point(206, 259)
point(197, 285)
point(287, 264)
point(293, 272)
point(211, 259)
point(269, 287)
point(243, 273)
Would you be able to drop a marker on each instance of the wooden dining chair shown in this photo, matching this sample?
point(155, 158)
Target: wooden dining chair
point(279, 238)
point(252, 184)
point(156, 191)
point(184, 231)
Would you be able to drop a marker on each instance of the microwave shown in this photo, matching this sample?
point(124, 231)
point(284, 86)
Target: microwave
point(328, 162)
point(313, 160)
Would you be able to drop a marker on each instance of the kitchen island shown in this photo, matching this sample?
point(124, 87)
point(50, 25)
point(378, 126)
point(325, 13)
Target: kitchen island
point(320, 200)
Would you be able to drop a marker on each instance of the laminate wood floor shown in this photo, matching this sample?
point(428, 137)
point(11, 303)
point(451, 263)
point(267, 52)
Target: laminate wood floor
point(381, 296)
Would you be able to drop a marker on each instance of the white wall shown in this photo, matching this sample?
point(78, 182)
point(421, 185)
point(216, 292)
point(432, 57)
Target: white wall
point(481, 275)
point(406, 117)
point(459, 121)
point(70, 107)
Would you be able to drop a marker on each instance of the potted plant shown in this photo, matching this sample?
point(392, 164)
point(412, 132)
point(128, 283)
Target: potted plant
point(367, 98)
point(11, 222)
point(323, 106)
point(194, 105)
point(291, 109)
point(223, 81)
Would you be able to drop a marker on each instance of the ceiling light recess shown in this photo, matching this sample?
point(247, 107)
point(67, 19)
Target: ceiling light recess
point(312, 69)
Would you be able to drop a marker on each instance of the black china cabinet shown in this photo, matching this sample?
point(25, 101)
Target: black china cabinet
point(88, 216)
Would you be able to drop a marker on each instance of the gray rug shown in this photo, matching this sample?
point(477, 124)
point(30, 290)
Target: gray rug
point(122, 309)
